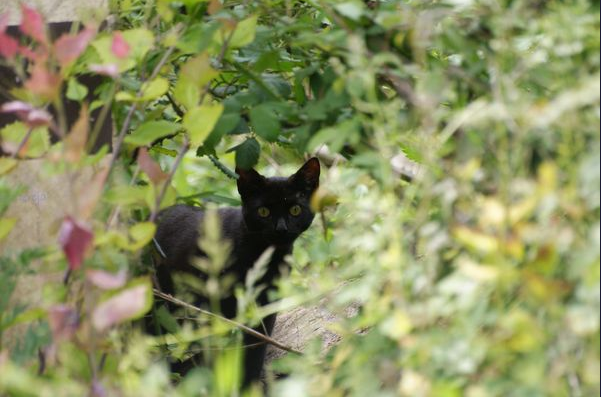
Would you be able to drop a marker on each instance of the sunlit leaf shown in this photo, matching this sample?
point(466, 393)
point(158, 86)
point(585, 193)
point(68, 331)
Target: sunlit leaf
point(141, 234)
point(36, 145)
point(244, 33)
point(150, 131)
point(199, 122)
point(75, 90)
point(150, 90)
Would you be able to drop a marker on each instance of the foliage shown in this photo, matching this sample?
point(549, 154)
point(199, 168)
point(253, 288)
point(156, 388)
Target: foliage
point(479, 276)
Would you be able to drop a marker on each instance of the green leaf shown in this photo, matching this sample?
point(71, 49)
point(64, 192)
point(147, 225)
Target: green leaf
point(75, 90)
point(265, 122)
point(150, 131)
point(193, 76)
point(150, 90)
point(37, 144)
point(198, 37)
point(126, 195)
point(140, 41)
point(244, 33)
point(199, 122)
point(247, 153)
point(141, 234)
point(186, 94)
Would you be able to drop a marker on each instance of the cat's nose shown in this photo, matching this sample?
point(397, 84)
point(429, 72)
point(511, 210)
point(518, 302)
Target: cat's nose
point(281, 226)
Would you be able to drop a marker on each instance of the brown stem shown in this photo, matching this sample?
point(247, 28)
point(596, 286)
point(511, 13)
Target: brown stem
point(242, 327)
point(133, 108)
point(22, 143)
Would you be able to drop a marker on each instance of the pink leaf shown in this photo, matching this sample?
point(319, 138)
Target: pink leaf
point(32, 24)
point(8, 46)
point(4, 18)
point(106, 280)
point(25, 112)
point(126, 305)
point(69, 47)
point(43, 82)
point(63, 321)
point(110, 70)
point(150, 167)
point(119, 47)
point(75, 240)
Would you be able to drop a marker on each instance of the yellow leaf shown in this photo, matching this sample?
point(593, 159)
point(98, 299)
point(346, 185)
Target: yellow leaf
point(6, 165)
point(475, 240)
point(199, 122)
point(6, 225)
point(141, 234)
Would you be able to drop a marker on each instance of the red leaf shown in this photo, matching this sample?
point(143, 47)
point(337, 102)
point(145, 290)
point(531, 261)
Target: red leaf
point(69, 47)
point(124, 306)
point(150, 167)
point(32, 24)
point(106, 280)
point(110, 70)
point(43, 83)
point(25, 112)
point(75, 240)
point(63, 321)
point(119, 47)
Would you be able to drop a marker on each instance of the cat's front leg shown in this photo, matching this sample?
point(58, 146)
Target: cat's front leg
point(254, 351)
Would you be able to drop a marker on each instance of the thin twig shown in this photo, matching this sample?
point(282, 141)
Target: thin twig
point(167, 182)
point(22, 143)
point(242, 327)
point(133, 108)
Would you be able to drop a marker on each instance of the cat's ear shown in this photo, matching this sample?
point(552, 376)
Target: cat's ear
point(249, 181)
point(307, 177)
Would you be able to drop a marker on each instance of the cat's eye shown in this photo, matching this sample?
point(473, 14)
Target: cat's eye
point(295, 210)
point(263, 212)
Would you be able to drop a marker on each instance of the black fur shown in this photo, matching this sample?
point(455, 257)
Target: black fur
point(249, 234)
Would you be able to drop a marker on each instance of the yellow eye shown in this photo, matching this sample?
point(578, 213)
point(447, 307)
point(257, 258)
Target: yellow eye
point(295, 210)
point(263, 212)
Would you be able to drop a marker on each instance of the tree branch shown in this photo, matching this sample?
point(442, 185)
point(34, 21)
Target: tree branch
point(236, 324)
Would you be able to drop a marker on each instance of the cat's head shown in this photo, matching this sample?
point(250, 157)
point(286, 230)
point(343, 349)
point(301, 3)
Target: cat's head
point(278, 208)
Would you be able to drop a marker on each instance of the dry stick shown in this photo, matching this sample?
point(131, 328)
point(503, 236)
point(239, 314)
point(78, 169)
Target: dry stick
point(178, 159)
point(242, 327)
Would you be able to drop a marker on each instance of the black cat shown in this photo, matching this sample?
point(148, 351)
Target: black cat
point(274, 212)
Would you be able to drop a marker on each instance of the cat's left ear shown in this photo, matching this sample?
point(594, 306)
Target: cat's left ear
point(308, 175)
point(249, 182)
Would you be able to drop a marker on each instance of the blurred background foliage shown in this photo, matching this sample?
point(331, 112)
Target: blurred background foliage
point(460, 140)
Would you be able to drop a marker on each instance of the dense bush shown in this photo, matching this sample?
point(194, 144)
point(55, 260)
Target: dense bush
point(459, 203)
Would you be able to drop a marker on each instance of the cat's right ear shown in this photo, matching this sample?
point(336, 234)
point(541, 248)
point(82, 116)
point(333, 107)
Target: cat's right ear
point(249, 181)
